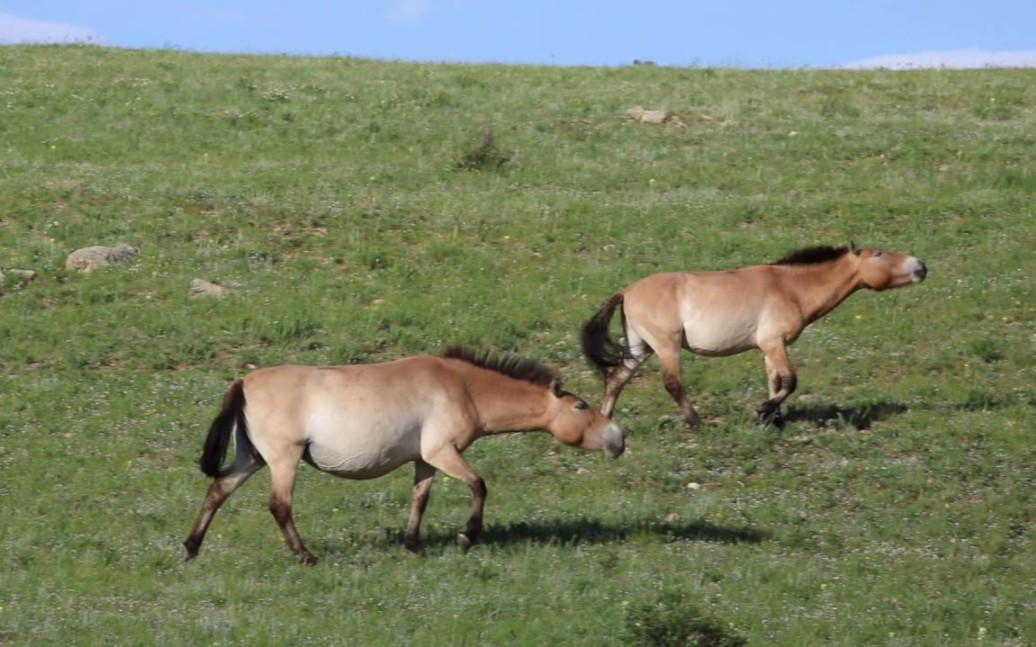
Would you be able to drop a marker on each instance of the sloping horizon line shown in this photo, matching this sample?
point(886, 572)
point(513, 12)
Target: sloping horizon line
point(972, 58)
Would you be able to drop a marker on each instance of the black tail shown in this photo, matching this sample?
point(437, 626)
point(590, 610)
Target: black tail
point(600, 349)
point(218, 440)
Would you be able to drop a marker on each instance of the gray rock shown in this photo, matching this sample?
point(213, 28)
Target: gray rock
point(24, 276)
point(89, 259)
point(202, 288)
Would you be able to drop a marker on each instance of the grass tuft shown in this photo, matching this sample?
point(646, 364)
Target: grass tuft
point(669, 619)
point(485, 154)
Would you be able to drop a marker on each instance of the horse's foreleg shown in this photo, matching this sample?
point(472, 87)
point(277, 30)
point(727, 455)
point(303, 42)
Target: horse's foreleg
point(449, 460)
point(423, 473)
point(218, 492)
point(780, 382)
point(613, 387)
point(670, 360)
point(282, 479)
point(637, 352)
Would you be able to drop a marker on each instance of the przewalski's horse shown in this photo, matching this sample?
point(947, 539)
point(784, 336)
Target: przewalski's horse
point(363, 421)
point(725, 313)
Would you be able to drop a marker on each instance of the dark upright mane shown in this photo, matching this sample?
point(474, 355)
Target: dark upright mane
point(813, 255)
point(516, 367)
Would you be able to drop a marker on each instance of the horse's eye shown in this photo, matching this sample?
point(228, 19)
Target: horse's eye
point(582, 406)
point(879, 254)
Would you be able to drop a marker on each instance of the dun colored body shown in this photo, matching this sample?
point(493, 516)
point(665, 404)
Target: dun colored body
point(728, 312)
point(363, 421)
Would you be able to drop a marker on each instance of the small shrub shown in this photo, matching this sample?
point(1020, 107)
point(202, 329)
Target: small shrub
point(671, 620)
point(985, 349)
point(485, 154)
point(979, 400)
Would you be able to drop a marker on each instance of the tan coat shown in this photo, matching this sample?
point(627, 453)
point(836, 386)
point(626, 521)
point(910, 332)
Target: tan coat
point(363, 421)
point(763, 307)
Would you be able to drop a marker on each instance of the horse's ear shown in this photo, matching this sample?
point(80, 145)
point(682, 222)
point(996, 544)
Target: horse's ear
point(852, 248)
point(555, 387)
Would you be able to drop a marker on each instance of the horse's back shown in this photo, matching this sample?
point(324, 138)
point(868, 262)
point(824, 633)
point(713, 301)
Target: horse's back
point(348, 391)
point(357, 421)
point(674, 294)
point(713, 312)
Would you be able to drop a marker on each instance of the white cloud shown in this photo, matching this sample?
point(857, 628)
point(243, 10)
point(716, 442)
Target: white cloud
point(407, 10)
point(22, 30)
point(414, 10)
point(958, 59)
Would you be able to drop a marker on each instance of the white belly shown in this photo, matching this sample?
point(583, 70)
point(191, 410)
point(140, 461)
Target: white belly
point(361, 452)
point(716, 337)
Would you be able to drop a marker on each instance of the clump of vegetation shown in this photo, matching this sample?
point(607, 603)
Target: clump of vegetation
point(485, 154)
point(985, 349)
point(670, 619)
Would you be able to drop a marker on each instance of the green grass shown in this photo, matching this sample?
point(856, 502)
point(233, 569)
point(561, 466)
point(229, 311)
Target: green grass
point(358, 213)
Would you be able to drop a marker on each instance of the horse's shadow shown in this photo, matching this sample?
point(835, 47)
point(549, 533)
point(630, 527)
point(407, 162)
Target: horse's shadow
point(567, 532)
point(857, 416)
point(862, 416)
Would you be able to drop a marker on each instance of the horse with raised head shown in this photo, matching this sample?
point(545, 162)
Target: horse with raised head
point(723, 313)
point(363, 421)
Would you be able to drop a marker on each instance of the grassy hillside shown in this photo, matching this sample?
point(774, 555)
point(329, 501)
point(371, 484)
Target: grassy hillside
point(336, 199)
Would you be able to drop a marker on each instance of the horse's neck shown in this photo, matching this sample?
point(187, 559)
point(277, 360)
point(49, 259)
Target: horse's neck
point(820, 289)
point(504, 403)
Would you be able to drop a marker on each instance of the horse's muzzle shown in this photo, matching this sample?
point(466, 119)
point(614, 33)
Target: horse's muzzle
point(614, 443)
point(918, 270)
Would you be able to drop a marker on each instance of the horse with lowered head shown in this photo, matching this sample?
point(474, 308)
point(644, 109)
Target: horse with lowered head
point(363, 421)
point(721, 313)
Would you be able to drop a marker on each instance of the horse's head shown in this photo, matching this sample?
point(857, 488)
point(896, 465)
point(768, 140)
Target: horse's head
point(573, 421)
point(881, 270)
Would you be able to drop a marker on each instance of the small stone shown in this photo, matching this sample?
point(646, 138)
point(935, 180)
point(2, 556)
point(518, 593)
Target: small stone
point(644, 116)
point(89, 259)
point(24, 276)
point(202, 288)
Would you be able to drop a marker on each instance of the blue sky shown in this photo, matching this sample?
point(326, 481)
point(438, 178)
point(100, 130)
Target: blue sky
point(735, 33)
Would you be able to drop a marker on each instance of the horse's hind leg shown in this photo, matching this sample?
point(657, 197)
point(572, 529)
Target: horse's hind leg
point(282, 487)
point(221, 488)
point(670, 359)
point(780, 382)
point(423, 473)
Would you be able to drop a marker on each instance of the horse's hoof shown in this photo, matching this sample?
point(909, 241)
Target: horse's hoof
point(464, 542)
point(308, 558)
point(417, 549)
